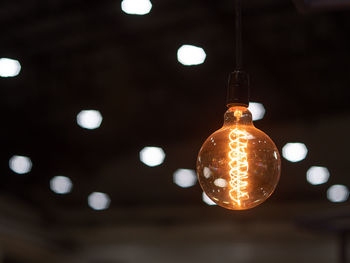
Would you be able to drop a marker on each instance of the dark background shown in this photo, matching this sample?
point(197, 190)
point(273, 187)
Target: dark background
point(78, 55)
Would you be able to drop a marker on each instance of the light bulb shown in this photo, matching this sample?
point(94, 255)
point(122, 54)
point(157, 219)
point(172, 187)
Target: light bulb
point(238, 166)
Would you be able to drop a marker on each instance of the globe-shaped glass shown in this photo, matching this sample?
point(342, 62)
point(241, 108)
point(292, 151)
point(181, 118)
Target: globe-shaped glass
point(238, 166)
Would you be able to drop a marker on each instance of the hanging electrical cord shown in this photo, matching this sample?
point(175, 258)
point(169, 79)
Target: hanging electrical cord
point(238, 87)
point(238, 33)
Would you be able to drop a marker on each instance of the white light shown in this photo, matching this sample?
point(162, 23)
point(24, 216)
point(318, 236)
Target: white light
point(89, 119)
point(206, 172)
point(99, 201)
point(294, 152)
point(189, 55)
point(338, 193)
point(152, 156)
point(220, 182)
point(257, 110)
point(9, 67)
point(207, 200)
point(61, 185)
point(20, 164)
point(136, 7)
point(317, 175)
point(185, 178)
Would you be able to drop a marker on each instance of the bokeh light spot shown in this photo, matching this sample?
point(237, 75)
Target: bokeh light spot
point(20, 164)
point(9, 67)
point(185, 178)
point(338, 193)
point(294, 152)
point(207, 200)
point(220, 182)
point(99, 201)
point(189, 55)
point(89, 119)
point(317, 175)
point(152, 156)
point(136, 7)
point(257, 110)
point(61, 185)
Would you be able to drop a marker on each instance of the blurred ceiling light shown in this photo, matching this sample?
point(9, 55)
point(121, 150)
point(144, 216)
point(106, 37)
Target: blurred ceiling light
point(207, 172)
point(9, 67)
point(220, 182)
point(99, 201)
point(89, 119)
point(257, 110)
point(338, 193)
point(294, 152)
point(207, 200)
point(185, 178)
point(136, 7)
point(20, 164)
point(317, 175)
point(61, 185)
point(152, 156)
point(189, 55)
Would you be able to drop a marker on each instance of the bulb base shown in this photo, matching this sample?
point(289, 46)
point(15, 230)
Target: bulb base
point(238, 89)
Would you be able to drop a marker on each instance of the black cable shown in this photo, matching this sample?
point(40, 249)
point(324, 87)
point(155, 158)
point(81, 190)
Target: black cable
point(238, 34)
point(238, 84)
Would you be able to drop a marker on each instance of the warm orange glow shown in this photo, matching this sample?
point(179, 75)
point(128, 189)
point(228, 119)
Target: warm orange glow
point(238, 163)
point(238, 166)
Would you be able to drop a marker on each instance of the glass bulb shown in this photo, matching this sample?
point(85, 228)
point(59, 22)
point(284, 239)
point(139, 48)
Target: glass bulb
point(238, 166)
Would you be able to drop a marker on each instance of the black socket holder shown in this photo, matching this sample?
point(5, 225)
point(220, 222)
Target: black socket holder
point(238, 89)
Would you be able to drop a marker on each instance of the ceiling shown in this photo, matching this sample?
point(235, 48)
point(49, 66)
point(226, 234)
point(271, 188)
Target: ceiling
point(79, 55)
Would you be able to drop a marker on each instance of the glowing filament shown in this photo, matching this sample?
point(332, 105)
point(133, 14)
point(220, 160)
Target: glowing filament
point(238, 163)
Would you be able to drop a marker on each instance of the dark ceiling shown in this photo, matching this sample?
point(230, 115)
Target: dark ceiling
point(79, 55)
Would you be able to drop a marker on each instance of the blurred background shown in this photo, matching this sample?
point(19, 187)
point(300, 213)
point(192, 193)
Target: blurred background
point(105, 105)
